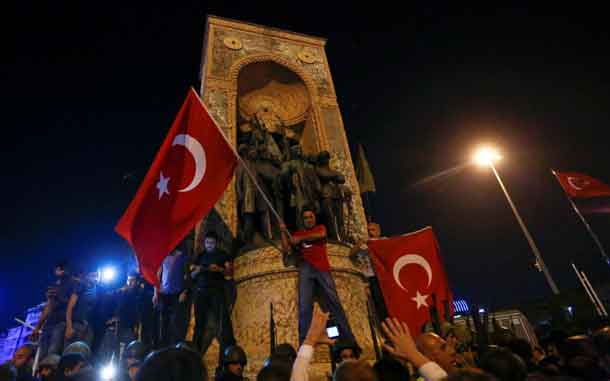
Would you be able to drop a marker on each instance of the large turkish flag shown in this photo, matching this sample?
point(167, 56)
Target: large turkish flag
point(187, 177)
point(410, 271)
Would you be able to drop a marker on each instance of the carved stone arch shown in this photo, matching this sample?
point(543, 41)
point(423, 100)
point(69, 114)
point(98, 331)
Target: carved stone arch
point(302, 74)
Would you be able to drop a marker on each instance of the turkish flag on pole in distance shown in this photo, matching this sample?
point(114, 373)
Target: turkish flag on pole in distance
point(187, 177)
point(579, 185)
point(410, 270)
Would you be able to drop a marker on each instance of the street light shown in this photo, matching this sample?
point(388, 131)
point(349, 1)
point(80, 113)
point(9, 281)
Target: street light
point(487, 156)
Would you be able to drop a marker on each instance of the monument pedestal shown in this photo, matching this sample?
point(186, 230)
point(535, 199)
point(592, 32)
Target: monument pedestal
point(262, 279)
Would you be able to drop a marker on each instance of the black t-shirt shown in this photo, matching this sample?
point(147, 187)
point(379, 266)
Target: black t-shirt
point(87, 294)
point(127, 308)
point(61, 292)
point(208, 279)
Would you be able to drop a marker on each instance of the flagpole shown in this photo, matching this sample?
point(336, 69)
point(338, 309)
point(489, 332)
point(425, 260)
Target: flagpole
point(585, 222)
point(527, 234)
point(582, 282)
point(599, 302)
point(241, 161)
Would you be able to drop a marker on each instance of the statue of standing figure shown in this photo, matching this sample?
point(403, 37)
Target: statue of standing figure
point(301, 183)
point(253, 211)
point(332, 197)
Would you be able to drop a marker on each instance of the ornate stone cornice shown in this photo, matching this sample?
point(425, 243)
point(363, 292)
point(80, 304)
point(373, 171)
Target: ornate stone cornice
point(267, 31)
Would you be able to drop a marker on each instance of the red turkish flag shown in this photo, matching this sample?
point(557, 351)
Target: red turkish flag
point(189, 174)
point(579, 185)
point(410, 270)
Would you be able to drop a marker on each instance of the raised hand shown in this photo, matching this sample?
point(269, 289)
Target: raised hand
point(317, 330)
point(403, 346)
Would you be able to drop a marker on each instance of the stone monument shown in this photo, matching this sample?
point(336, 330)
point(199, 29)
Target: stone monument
point(272, 90)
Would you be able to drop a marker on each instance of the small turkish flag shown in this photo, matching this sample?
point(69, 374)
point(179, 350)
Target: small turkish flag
point(410, 270)
point(579, 185)
point(189, 174)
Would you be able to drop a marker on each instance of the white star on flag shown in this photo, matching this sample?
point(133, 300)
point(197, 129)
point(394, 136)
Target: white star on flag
point(162, 185)
point(420, 300)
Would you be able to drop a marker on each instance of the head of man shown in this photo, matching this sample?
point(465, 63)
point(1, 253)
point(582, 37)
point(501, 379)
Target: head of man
point(285, 351)
point(296, 152)
point(61, 269)
point(309, 217)
point(279, 371)
point(504, 364)
point(23, 356)
point(438, 350)
point(135, 352)
point(323, 158)
point(176, 364)
point(132, 279)
point(345, 350)
point(70, 364)
point(210, 242)
point(374, 230)
point(132, 369)
point(355, 370)
point(48, 366)
point(235, 360)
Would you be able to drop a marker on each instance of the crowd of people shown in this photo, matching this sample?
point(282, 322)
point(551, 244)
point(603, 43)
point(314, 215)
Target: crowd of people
point(138, 332)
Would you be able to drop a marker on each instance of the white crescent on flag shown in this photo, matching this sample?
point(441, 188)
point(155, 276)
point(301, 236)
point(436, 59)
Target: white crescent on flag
point(411, 259)
point(196, 149)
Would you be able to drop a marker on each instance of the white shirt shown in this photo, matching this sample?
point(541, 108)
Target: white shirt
point(300, 368)
point(431, 371)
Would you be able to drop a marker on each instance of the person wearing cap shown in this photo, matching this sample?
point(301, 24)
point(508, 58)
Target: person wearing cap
point(135, 352)
point(74, 366)
point(47, 368)
point(234, 361)
point(79, 347)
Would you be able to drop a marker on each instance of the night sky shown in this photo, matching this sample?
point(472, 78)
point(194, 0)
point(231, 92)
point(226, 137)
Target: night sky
point(89, 91)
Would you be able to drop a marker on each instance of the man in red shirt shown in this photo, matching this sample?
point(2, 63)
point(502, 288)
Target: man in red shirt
point(314, 270)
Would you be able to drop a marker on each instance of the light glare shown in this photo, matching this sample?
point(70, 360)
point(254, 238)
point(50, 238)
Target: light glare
point(486, 156)
point(108, 274)
point(108, 372)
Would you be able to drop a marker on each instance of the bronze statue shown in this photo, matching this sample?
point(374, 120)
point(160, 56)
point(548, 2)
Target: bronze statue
point(253, 211)
point(301, 183)
point(331, 200)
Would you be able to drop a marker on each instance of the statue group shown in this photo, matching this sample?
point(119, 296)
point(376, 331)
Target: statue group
point(274, 167)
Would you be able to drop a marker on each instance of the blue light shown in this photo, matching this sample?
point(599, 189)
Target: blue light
point(460, 306)
point(481, 310)
point(108, 274)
